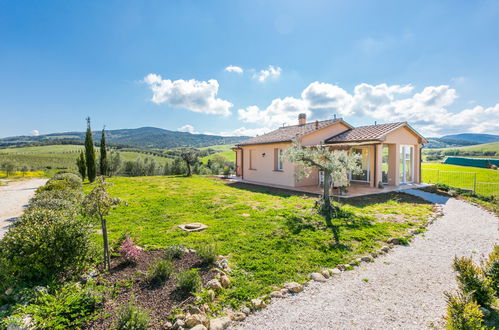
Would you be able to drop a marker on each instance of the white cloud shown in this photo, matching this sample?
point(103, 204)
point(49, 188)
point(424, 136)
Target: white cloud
point(35, 132)
point(188, 128)
point(193, 95)
point(271, 72)
point(234, 68)
point(242, 131)
point(427, 110)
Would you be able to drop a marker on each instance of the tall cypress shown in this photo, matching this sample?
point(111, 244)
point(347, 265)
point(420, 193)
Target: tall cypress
point(90, 153)
point(82, 167)
point(103, 154)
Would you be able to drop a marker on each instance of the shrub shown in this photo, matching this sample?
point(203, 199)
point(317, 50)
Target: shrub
point(189, 281)
point(175, 251)
point(62, 199)
point(207, 253)
point(463, 313)
point(226, 171)
point(129, 251)
point(160, 271)
point(492, 270)
point(63, 181)
point(132, 317)
point(45, 245)
point(473, 282)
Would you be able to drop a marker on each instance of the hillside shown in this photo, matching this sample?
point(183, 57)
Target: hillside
point(459, 140)
point(144, 137)
point(485, 147)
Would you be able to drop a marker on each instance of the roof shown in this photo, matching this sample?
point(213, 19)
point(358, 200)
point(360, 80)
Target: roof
point(369, 133)
point(289, 133)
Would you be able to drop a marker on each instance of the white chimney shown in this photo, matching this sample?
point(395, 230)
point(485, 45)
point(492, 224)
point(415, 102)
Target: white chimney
point(302, 119)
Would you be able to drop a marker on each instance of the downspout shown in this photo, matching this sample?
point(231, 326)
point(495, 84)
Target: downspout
point(375, 164)
point(242, 164)
point(420, 162)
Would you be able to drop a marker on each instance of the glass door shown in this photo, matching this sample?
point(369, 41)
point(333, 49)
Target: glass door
point(384, 164)
point(364, 163)
point(406, 167)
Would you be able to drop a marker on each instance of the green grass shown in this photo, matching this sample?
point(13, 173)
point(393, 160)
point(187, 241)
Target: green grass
point(488, 179)
point(493, 146)
point(250, 225)
point(228, 155)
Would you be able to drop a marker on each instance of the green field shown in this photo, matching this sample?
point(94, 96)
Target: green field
point(485, 147)
point(257, 228)
point(487, 180)
point(223, 150)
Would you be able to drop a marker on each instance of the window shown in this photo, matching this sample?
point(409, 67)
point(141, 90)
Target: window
point(251, 160)
point(364, 164)
point(278, 159)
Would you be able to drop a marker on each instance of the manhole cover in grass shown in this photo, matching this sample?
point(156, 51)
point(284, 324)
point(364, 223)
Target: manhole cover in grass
point(196, 226)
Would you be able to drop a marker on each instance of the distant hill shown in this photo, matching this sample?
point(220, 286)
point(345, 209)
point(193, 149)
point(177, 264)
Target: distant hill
point(460, 140)
point(144, 137)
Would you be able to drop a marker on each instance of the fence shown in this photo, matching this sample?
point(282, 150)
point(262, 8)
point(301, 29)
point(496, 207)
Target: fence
point(462, 180)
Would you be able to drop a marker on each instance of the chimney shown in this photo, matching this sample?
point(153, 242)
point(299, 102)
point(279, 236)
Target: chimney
point(302, 119)
point(316, 124)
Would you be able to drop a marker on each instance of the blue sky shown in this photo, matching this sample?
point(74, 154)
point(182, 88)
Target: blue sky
point(130, 64)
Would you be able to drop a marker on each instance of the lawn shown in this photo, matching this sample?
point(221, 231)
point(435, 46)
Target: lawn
point(487, 179)
point(270, 236)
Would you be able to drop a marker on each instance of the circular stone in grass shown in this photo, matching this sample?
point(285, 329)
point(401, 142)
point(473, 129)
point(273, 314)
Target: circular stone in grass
point(196, 226)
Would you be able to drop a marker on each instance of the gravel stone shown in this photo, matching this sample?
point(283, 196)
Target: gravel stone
point(317, 277)
point(406, 287)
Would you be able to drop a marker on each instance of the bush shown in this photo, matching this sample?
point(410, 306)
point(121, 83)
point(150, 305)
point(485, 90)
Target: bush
point(61, 182)
point(68, 307)
point(62, 199)
point(132, 317)
point(189, 281)
point(473, 282)
point(207, 253)
point(175, 251)
point(160, 271)
point(45, 245)
point(492, 270)
point(129, 251)
point(463, 313)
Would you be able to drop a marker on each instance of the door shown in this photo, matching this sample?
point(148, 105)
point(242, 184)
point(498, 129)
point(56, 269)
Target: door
point(364, 164)
point(406, 166)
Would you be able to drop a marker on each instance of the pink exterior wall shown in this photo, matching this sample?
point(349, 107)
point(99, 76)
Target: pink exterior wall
point(318, 136)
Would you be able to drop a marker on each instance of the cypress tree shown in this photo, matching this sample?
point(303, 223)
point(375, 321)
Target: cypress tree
point(103, 154)
point(90, 153)
point(82, 167)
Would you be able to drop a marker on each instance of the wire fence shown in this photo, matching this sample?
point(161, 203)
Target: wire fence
point(461, 180)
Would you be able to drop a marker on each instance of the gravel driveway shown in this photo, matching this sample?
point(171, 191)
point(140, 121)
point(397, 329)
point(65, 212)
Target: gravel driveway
point(401, 290)
point(13, 199)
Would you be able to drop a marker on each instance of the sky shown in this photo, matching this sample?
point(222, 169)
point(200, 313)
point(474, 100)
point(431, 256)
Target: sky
point(247, 67)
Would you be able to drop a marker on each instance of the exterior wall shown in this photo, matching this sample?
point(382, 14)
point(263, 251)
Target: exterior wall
point(320, 135)
point(402, 135)
point(239, 159)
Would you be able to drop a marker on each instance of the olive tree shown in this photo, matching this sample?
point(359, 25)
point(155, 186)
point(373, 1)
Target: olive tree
point(335, 164)
point(190, 157)
point(97, 205)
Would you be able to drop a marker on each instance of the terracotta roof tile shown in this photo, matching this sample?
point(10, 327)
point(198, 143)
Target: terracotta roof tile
point(365, 133)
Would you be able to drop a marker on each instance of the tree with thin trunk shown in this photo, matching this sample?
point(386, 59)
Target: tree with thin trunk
point(90, 153)
point(335, 164)
point(190, 157)
point(82, 167)
point(8, 168)
point(97, 205)
point(104, 164)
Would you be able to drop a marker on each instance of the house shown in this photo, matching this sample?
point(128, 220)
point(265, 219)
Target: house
point(390, 153)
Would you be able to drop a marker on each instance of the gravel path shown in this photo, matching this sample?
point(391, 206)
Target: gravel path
point(13, 199)
point(401, 290)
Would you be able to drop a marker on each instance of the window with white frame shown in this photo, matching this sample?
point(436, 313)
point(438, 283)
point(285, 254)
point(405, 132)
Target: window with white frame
point(279, 159)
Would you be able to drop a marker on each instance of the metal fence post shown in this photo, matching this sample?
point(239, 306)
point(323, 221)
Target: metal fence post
point(474, 185)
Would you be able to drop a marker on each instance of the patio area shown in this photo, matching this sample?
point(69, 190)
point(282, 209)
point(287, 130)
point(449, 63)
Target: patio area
point(354, 190)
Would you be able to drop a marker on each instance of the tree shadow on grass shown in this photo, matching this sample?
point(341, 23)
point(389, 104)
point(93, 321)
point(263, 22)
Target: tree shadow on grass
point(400, 197)
point(280, 192)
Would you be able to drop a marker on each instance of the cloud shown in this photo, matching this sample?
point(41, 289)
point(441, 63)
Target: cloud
point(35, 132)
point(242, 131)
point(270, 73)
point(193, 95)
point(188, 128)
point(427, 110)
point(233, 68)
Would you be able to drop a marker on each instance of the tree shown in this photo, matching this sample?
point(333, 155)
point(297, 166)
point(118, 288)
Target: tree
point(104, 165)
point(114, 163)
point(8, 168)
point(190, 157)
point(82, 167)
point(97, 205)
point(90, 153)
point(335, 164)
point(24, 169)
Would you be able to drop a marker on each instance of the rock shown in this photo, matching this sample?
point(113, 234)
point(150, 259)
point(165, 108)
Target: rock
point(238, 316)
point(4, 307)
point(358, 260)
point(9, 291)
point(246, 310)
point(317, 277)
point(211, 294)
point(199, 327)
point(196, 226)
point(167, 325)
point(257, 303)
point(224, 280)
point(385, 248)
point(367, 259)
point(220, 324)
point(214, 284)
point(180, 316)
point(204, 308)
point(393, 240)
point(374, 254)
point(325, 273)
point(195, 319)
point(380, 252)
point(277, 294)
point(293, 287)
point(245, 215)
point(342, 267)
point(353, 263)
point(179, 324)
point(193, 310)
point(334, 271)
point(485, 311)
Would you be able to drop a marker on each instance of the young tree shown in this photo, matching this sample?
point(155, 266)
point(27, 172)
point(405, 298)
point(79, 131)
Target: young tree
point(336, 164)
point(114, 163)
point(190, 157)
point(82, 167)
point(8, 168)
point(90, 153)
point(104, 164)
point(97, 205)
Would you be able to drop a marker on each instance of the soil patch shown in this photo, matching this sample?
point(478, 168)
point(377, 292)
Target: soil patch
point(129, 280)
